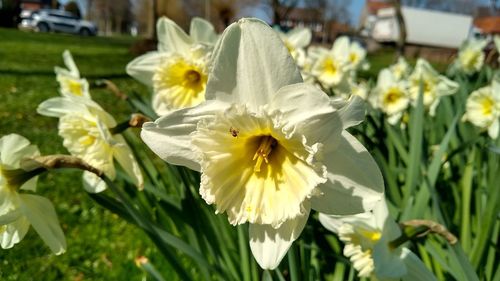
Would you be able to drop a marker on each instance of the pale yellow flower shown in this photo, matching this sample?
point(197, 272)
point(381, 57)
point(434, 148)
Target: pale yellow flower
point(357, 55)
point(178, 71)
point(296, 40)
point(401, 69)
point(483, 109)
point(391, 96)
point(269, 147)
point(434, 85)
point(70, 82)
point(471, 56)
point(84, 126)
point(18, 208)
point(367, 240)
point(179, 81)
point(331, 67)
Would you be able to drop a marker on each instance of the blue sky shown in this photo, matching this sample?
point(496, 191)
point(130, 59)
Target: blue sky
point(355, 10)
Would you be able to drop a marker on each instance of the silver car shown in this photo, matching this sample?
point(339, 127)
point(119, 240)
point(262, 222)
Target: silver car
point(56, 20)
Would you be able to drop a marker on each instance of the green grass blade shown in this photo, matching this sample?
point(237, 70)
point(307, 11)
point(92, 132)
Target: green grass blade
point(415, 150)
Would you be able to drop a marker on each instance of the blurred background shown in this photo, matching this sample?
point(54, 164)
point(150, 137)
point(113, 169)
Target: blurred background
point(374, 22)
point(327, 18)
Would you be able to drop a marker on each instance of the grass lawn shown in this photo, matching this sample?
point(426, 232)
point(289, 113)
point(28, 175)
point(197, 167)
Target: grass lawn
point(101, 246)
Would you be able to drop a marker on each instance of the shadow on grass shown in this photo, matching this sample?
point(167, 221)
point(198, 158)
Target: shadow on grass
point(51, 73)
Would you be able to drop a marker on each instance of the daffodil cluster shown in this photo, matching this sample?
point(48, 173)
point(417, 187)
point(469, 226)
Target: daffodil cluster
point(178, 71)
point(85, 128)
point(252, 111)
point(398, 87)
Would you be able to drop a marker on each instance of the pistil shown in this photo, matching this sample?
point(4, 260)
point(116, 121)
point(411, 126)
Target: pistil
point(267, 143)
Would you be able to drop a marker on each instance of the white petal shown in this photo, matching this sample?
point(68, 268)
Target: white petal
point(383, 220)
point(306, 107)
point(70, 64)
point(105, 120)
point(92, 183)
point(299, 37)
point(169, 138)
point(355, 183)
point(14, 232)
point(353, 112)
point(269, 245)
point(10, 217)
point(251, 64)
point(57, 107)
point(171, 38)
point(385, 78)
point(202, 31)
point(416, 269)
point(340, 48)
point(41, 214)
point(446, 86)
point(13, 148)
point(30, 184)
point(331, 223)
point(143, 67)
point(494, 129)
point(126, 159)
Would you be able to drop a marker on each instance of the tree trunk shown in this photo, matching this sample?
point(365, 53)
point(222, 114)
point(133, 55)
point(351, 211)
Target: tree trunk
point(402, 29)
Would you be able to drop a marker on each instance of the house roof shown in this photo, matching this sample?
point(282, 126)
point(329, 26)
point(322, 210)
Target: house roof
point(488, 24)
point(487, 20)
point(374, 5)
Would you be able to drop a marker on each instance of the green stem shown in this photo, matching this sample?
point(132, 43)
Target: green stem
point(466, 199)
point(292, 263)
point(244, 261)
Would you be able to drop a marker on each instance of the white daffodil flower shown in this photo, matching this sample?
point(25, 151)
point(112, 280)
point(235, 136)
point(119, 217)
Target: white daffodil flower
point(471, 56)
point(178, 71)
point(360, 89)
point(434, 86)
point(20, 209)
point(401, 69)
point(357, 55)
point(367, 240)
point(268, 146)
point(391, 96)
point(70, 82)
point(312, 55)
point(84, 126)
point(483, 108)
point(353, 89)
point(296, 40)
point(331, 67)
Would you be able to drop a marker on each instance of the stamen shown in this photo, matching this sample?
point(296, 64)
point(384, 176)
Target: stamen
point(267, 143)
point(192, 76)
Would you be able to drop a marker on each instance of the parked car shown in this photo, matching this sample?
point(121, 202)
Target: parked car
point(56, 20)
